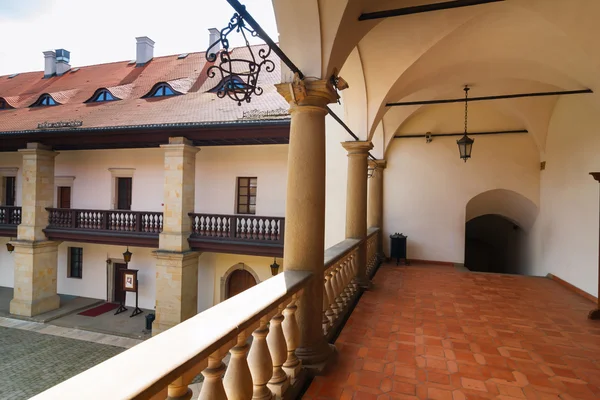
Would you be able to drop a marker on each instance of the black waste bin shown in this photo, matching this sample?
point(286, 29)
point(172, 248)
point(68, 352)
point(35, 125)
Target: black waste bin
point(398, 248)
point(149, 319)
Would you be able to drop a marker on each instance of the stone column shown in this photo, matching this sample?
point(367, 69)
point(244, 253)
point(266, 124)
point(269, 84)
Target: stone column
point(375, 204)
point(36, 258)
point(176, 264)
point(356, 202)
point(305, 207)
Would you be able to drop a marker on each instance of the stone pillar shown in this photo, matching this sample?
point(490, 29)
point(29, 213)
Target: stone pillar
point(356, 202)
point(305, 207)
point(375, 204)
point(176, 264)
point(36, 258)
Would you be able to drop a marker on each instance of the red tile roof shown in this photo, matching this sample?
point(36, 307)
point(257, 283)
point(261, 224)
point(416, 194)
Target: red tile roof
point(129, 83)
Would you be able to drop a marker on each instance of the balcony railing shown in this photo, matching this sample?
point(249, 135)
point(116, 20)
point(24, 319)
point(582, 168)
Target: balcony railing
point(10, 217)
point(237, 233)
point(105, 226)
point(266, 311)
point(165, 364)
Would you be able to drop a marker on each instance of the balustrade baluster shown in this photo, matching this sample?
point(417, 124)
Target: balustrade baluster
point(179, 390)
point(279, 382)
point(260, 363)
point(212, 387)
point(232, 226)
point(346, 279)
point(280, 231)
point(238, 380)
point(333, 310)
point(292, 365)
point(325, 320)
point(340, 295)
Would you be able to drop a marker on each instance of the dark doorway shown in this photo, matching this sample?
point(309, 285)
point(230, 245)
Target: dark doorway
point(10, 190)
point(238, 281)
point(64, 197)
point(119, 295)
point(494, 244)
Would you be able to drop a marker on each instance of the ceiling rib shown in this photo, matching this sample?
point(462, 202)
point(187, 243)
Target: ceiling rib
point(487, 98)
point(461, 134)
point(447, 5)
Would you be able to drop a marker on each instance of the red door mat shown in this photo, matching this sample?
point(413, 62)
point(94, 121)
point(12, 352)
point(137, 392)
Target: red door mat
point(101, 309)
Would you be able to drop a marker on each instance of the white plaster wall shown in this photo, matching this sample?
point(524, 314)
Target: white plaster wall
point(565, 241)
point(427, 186)
point(92, 185)
point(7, 265)
point(94, 277)
point(336, 176)
point(206, 281)
point(217, 170)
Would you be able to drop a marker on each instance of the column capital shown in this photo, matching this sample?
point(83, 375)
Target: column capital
point(38, 148)
point(378, 164)
point(304, 92)
point(180, 143)
point(357, 147)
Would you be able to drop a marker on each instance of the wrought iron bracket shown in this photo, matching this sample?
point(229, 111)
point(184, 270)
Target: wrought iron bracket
point(239, 76)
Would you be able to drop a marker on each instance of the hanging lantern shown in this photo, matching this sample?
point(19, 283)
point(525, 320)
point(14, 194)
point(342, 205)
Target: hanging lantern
point(274, 267)
point(127, 255)
point(10, 247)
point(465, 143)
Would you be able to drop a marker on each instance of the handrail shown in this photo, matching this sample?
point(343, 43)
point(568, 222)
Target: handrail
point(144, 222)
point(238, 227)
point(147, 369)
point(10, 215)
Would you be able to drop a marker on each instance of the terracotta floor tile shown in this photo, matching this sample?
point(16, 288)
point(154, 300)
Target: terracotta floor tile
point(430, 332)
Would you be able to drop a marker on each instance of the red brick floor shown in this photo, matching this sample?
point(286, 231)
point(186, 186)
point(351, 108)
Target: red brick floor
point(430, 332)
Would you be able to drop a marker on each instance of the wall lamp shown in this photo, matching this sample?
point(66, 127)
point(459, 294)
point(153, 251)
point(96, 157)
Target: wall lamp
point(274, 267)
point(10, 247)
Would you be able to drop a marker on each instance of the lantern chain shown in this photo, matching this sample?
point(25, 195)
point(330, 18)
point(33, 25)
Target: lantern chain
point(466, 107)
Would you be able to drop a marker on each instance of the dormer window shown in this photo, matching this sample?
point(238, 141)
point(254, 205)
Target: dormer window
point(229, 84)
point(162, 90)
point(44, 100)
point(101, 95)
point(4, 105)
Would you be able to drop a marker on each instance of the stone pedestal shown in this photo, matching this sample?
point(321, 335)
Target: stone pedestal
point(176, 288)
point(356, 203)
point(36, 258)
point(176, 265)
point(305, 207)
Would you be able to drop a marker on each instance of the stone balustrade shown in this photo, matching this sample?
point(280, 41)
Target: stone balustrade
point(162, 367)
point(373, 238)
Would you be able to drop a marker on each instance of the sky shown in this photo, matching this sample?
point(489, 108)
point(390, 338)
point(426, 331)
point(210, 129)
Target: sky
point(104, 31)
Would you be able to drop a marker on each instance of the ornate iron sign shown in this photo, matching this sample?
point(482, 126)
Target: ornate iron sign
point(59, 124)
point(265, 114)
point(239, 77)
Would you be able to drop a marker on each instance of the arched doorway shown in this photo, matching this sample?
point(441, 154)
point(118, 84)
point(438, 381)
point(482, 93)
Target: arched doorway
point(493, 243)
point(496, 232)
point(238, 281)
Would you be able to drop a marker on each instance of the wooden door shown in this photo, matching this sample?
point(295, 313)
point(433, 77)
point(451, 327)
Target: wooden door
point(64, 197)
point(10, 190)
point(124, 193)
point(239, 281)
point(119, 295)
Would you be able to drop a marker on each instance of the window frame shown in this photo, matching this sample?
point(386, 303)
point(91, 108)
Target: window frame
point(45, 98)
point(161, 86)
point(248, 197)
point(102, 92)
point(240, 84)
point(4, 104)
point(75, 263)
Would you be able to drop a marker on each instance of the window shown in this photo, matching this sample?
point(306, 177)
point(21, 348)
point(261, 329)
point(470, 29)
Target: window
point(162, 90)
point(64, 197)
point(124, 193)
point(4, 104)
point(44, 100)
point(230, 83)
point(246, 190)
point(10, 190)
point(75, 262)
point(101, 95)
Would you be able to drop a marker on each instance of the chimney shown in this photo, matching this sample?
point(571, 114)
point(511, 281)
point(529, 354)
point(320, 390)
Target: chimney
point(144, 50)
point(49, 63)
point(62, 61)
point(214, 36)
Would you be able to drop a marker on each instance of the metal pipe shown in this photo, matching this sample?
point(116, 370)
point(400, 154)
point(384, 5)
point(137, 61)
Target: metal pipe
point(486, 98)
point(462, 133)
point(423, 9)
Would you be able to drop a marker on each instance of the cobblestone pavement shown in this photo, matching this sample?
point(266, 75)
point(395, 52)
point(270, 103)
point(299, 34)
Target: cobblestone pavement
point(32, 362)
